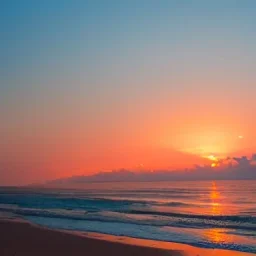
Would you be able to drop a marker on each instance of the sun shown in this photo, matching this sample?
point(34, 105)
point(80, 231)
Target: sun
point(212, 158)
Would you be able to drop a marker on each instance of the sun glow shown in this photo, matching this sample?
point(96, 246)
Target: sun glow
point(209, 142)
point(213, 165)
point(212, 158)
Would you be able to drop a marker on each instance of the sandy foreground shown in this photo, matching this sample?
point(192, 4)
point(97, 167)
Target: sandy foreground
point(23, 239)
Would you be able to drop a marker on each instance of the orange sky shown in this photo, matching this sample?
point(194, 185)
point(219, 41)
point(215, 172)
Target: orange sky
point(96, 88)
point(147, 143)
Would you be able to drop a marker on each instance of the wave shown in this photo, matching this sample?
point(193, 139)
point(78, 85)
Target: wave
point(249, 219)
point(138, 218)
point(87, 203)
point(142, 202)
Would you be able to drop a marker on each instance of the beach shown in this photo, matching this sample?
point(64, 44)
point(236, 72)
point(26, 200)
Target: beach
point(19, 238)
point(23, 239)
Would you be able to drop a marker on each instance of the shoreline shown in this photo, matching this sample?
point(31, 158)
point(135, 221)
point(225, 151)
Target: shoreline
point(20, 237)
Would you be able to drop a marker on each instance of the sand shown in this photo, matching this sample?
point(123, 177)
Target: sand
point(23, 239)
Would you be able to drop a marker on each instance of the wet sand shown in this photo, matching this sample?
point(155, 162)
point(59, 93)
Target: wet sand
point(23, 239)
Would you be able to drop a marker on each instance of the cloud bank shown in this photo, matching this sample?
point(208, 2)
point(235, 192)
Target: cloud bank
point(235, 168)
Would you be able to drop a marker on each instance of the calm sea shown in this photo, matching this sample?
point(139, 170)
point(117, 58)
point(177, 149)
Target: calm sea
point(219, 214)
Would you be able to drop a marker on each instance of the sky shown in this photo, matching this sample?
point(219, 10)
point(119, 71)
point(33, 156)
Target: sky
point(87, 86)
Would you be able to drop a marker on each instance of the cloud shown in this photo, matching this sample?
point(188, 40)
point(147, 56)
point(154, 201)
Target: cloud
point(253, 158)
point(244, 169)
point(243, 161)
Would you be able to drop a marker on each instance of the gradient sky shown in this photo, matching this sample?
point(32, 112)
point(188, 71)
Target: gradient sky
point(101, 85)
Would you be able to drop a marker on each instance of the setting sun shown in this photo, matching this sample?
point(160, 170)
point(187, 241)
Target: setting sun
point(212, 158)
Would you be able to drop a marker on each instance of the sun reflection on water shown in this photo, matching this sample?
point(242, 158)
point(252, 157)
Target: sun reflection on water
point(216, 206)
point(215, 235)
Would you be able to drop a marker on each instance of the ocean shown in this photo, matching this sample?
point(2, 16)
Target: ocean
point(209, 214)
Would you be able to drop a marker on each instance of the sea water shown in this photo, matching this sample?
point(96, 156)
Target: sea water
point(209, 214)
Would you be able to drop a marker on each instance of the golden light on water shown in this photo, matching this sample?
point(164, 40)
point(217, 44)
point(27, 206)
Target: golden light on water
point(216, 206)
point(215, 235)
